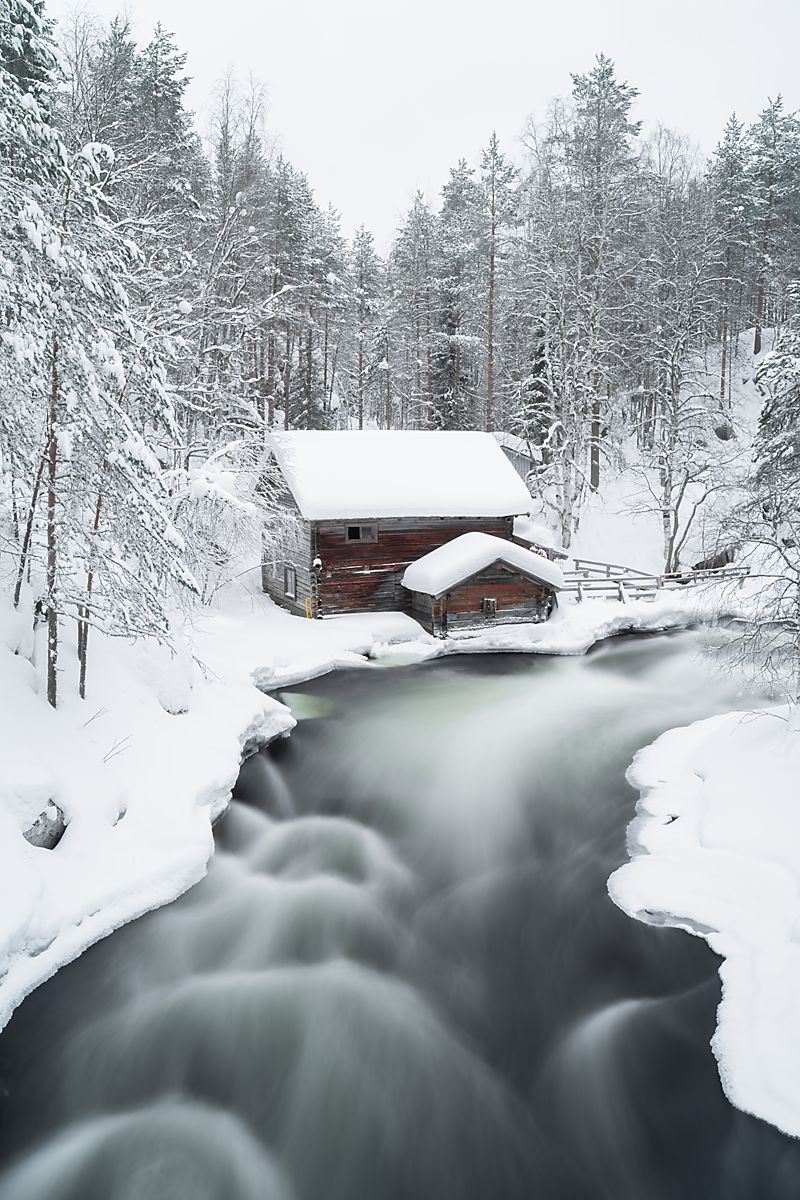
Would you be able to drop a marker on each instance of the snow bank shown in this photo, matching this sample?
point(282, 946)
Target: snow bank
point(139, 788)
point(574, 628)
point(460, 559)
point(716, 851)
point(251, 640)
point(357, 474)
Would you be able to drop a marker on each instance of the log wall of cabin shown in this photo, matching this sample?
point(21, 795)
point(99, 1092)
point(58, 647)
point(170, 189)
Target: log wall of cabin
point(365, 576)
point(288, 542)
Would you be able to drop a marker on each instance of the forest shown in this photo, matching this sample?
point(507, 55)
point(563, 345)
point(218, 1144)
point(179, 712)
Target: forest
point(169, 297)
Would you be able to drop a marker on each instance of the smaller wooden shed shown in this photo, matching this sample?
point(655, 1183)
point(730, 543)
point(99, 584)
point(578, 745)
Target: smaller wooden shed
point(477, 580)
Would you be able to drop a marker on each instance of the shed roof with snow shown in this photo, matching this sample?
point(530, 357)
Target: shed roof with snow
point(344, 474)
point(458, 560)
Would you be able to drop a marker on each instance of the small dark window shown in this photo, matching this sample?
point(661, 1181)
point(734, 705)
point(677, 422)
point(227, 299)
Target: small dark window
point(361, 533)
point(489, 606)
point(290, 582)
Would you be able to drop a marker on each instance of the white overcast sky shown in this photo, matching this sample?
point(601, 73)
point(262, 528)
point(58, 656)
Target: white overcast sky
point(374, 99)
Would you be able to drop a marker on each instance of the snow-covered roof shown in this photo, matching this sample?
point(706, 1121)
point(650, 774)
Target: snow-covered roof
point(398, 473)
point(449, 565)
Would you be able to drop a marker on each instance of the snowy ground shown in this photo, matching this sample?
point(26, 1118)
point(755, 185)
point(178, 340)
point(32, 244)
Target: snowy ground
point(716, 851)
point(143, 766)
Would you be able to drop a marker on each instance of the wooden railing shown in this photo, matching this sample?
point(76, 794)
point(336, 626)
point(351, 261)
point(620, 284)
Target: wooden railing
point(593, 578)
point(591, 569)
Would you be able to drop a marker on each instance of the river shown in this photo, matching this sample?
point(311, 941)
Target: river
point(402, 978)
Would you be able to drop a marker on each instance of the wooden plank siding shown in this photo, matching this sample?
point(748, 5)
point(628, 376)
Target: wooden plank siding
point(518, 600)
point(288, 544)
point(365, 576)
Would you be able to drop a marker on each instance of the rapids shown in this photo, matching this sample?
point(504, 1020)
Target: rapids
point(402, 978)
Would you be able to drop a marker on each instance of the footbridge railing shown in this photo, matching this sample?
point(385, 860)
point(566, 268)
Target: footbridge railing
point(590, 578)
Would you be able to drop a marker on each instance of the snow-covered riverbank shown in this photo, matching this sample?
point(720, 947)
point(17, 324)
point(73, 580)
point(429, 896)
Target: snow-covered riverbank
point(716, 851)
point(143, 766)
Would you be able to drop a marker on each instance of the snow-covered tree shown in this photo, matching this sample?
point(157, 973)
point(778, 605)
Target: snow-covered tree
point(767, 522)
point(498, 177)
point(457, 342)
point(411, 273)
point(733, 205)
point(92, 380)
point(365, 285)
point(774, 165)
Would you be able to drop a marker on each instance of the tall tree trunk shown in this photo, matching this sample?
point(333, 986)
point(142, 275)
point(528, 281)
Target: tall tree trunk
point(417, 361)
point(13, 489)
point(83, 624)
point(287, 377)
point(332, 381)
point(387, 419)
point(325, 359)
point(457, 388)
point(489, 414)
point(594, 444)
point(26, 540)
point(361, 380)
point(270, 377)
point(725, 329)
point(262, 377)
point(52, 548)
point(428, 357)
point(761, 294)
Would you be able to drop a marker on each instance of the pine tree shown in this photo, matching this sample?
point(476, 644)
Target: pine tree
point(365, 276)
point(411, 269)
point(729, 182)
point(458, 270)
point(497, 180)
point(26, 52)
point(600, 157)
point(775, 174)
point(768, 519)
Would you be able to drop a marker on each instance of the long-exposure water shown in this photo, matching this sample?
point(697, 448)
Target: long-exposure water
point(402, 978)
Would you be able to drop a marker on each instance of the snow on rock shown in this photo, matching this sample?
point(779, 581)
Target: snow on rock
point(357, 474)
point(458, 560)
point(715, 850)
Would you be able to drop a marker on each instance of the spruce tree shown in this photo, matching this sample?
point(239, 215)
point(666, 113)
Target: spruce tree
point(733, 202)
point(458, 273)
point(497, 180)
point(26, 50)
point(774, 160)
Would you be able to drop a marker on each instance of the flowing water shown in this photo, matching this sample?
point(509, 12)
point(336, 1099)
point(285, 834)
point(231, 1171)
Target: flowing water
point(403, 978)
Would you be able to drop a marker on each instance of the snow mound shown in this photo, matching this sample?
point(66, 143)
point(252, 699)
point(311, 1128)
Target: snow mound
point(138, 787)
point(716, 851)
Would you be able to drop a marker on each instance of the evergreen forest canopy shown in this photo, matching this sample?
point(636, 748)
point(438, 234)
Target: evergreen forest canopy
point(163, 304)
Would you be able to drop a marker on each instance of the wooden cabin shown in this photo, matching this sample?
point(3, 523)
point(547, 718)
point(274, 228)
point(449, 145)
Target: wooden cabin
point(356, 508)
point(476, 581)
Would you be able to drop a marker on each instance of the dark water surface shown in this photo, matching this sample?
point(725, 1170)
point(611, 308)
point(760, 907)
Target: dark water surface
point(403, 978)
